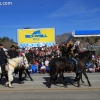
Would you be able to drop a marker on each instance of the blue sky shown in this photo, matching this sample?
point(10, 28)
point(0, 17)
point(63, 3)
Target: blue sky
point(63, 15)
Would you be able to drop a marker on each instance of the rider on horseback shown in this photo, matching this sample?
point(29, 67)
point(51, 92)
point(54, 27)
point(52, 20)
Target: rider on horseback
point(2, 58)
point(73, 52)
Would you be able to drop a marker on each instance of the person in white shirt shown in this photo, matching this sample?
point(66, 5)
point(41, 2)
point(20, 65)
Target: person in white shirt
point(43, 69)
point(47, 62)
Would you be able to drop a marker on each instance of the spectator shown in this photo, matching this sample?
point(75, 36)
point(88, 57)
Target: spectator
point(43, 69)
point(36, 63)
point(47, 62)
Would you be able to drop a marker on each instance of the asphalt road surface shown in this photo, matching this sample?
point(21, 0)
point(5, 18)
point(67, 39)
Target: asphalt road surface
point(37, 89)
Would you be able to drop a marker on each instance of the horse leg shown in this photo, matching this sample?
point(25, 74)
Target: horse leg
point(1, 76)
point(20, 76)
point(4, 75)
point(7, 84)
point(25, 73)
point(78, 79)
point(55, 79)
point(51, 79)
point(84, 72)
point(82, 79)
point(28, 74)
point(63, 79)
point(10, 77)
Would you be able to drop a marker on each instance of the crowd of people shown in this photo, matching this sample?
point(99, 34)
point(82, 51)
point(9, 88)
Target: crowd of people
point(41, 56)
point(94, 65)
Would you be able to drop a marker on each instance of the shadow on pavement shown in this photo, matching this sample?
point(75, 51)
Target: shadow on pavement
point(69, 80)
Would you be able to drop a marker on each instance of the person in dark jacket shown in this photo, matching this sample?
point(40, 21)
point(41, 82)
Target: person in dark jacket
point(64, 51)
point(2, 58)
point(12, 52)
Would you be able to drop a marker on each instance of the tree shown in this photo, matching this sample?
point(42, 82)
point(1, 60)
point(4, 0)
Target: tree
point(7, 42)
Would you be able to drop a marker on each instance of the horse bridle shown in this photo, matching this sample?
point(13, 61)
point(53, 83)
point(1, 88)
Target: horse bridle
point(24, 60)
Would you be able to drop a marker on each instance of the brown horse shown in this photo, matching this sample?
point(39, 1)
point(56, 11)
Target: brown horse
point(58, 65)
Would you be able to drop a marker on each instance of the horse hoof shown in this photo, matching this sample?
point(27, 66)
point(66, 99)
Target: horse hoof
point(32, 80)
point(90, 85)
point(65, 86)
point(7, 85)
point(21, 82)
point(25, 79)
point(79, 86)
point(83, 82)
point(75, 80)
point(54, 83)
point(11, 87)
point(49, 86)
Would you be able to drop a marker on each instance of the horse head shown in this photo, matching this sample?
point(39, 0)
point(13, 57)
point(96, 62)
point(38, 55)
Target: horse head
point(25, 61)
point(86, 54)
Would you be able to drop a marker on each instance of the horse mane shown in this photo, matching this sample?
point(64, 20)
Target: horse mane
point(85, 54)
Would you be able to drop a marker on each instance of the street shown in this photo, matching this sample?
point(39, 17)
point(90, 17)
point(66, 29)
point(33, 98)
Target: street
point(37, 89)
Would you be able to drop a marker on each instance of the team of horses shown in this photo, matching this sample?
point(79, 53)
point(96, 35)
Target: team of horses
point(57, 65)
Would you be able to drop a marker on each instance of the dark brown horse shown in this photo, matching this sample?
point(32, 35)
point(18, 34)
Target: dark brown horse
point(58, 65)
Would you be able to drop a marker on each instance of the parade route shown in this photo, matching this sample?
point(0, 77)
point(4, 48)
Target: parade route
point(40, 83)
point(39, 86)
